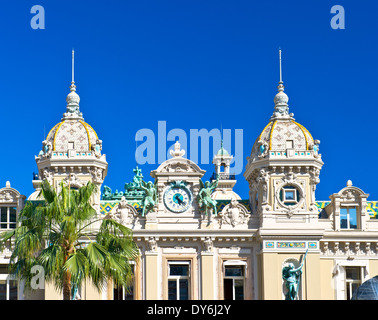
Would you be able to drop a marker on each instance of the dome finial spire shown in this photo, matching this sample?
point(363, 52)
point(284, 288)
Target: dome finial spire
point(279, 52)
point(280, 83)
point(73, 87)
point(73, 66)
point(281, 109)
point(73, 99)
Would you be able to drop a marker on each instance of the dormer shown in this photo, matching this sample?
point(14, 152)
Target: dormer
point(348, 209)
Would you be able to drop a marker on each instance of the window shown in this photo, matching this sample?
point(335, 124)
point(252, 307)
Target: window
point(71, 145)
point(348, 218)
point(8, 286)
point(178, 280)
point(121, 293)
point(289, 144)
point(233, 282)
point(8, 216)
point(352, 280)
point(289, 195)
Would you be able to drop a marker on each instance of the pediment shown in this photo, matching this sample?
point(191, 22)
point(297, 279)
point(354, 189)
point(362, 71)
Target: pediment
point(178, 165)
point(8, 194)
point(351, 193)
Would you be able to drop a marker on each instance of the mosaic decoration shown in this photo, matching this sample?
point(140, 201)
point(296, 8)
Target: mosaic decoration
point(107, 206)
point(322, 204)
point(269, 245)
point(372, 209)
point(291, 244)
point(312, 245)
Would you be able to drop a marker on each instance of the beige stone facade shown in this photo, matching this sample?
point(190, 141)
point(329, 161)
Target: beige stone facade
point(237, 253)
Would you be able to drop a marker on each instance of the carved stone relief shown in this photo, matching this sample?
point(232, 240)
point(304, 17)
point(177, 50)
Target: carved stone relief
point(234, 214)
point(125, 213)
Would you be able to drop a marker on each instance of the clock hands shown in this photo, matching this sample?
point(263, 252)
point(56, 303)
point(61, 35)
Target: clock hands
point(179, 200)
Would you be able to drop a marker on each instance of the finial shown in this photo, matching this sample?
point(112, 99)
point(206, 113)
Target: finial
point(279, 51)
point(281, 99)
point(73, 65)
point(280, 83)
point(73, 98)
point(73, 87)
point(177, 153)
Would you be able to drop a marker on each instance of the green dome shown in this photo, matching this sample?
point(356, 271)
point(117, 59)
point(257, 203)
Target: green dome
point(222, 151)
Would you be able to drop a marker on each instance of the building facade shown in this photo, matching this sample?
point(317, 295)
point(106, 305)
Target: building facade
point(234, 249)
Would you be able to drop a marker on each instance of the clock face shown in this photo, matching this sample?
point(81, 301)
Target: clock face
point(177, 199)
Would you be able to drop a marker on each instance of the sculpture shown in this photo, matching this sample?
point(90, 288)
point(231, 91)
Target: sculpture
point(46, 148)
point(133, 190)
point(106, 195)
point(234, 214)
point(125, 213)
point(152, 244)
point(97, 148)
point(150, 197)
point(205, 201)
point(177, 153)
point(138, 176)
point(207, 244)
point(137, 181)
point(292, 277)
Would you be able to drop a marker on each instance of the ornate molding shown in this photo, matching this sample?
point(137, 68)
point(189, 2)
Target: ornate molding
point(124, 213)
point(234, 214)
point(151, 244)
point(74, 181)
point(289, 179)
point(97, 175)
point(177, 167)
point(8, 195)
point(207, 244)
point(349, 249)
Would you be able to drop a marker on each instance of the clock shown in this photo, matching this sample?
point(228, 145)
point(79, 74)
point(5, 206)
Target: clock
point(177, 197)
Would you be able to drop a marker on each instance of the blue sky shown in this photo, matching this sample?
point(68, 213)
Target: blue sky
point(194, 64)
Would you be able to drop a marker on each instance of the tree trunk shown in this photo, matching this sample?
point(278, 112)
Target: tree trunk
point(67, 287)
point(67, 276)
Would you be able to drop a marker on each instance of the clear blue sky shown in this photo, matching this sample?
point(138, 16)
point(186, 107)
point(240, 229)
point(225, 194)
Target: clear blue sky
point(194, 64)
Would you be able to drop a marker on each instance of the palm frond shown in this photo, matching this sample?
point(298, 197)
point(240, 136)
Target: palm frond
point(50, 235)
point(77, 266)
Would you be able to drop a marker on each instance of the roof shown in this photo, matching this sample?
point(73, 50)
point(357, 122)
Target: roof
point(106, 206)
point(77, 131)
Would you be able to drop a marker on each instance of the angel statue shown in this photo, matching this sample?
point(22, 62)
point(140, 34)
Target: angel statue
point(292, 276)
point(204, 197)
point(150, 196)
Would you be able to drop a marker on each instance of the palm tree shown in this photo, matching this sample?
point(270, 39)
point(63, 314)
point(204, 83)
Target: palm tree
point(52, 236)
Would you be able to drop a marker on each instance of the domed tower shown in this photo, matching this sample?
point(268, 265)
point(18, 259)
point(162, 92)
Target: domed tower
point(283, 168)
point(223, 191)
point(71, 150)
